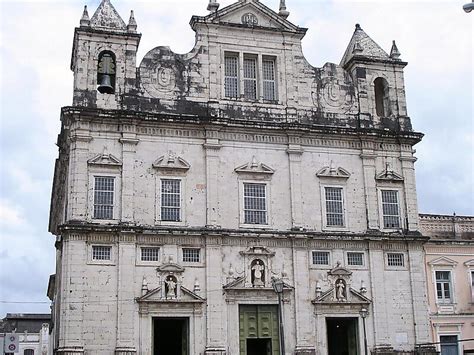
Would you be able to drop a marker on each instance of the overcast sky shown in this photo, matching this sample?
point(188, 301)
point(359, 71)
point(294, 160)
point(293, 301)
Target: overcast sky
point(435, 37)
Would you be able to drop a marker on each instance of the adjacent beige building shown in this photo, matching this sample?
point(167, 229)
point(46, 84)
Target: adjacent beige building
point(450, 280)
point(187, 185)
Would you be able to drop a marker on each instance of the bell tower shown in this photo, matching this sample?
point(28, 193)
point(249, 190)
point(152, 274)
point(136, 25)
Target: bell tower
point(104, 58)
point(380, 82)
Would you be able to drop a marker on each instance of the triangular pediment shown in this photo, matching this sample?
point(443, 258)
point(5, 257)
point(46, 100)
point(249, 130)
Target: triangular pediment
point(389, 175)
point(239, 284)
point(332, 171)
point(249, 13)
point(469, 263)
point(107, 18)
point(155, 296)
point(355, 297)
point(105, 159)
point(443, 261)
point(254, 167)
point(171, 161)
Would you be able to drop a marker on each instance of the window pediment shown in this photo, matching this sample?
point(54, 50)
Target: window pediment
point(442, 261)
point(258, 250)
point(105, 159)
point(156, 295)
point(339, 271)
point(388, 174)
point(469, 263)
point(332, 171)
point(254, 167)
point(171, 161)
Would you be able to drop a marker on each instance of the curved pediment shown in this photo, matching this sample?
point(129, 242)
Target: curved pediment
point(170, 268)
point(339, 271)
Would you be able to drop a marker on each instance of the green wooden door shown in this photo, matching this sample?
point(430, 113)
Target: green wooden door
point(258, 321)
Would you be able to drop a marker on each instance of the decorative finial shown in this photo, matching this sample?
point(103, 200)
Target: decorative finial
point(357, 48)
point(197, 287)
point(212, 6)
point(144, 286)
point(283, 11)
point(358, 28)
point(363, 289)
point(394, 52)
point(85, 20)
point(132, 24)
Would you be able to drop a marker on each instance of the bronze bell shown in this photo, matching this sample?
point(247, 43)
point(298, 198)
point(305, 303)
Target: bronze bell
point(105, 86)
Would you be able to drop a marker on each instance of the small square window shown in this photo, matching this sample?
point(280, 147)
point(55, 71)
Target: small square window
point(395, 259)
point(320, 258)
point(100, 252)
point(191, 255)
point(150, 254)
point(355, 259)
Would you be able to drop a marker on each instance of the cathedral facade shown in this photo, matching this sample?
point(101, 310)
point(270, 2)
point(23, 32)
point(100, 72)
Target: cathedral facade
point(235, 199)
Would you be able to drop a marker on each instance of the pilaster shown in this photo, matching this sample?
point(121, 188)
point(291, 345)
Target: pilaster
point(408, 171)
point(211, 148)
point(370, 190)
point(129, 143)
point(294, 157)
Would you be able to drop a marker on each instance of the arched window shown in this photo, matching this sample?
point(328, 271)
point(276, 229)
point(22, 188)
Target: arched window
point(382, 103)
point(106, 73)
point(29, 352)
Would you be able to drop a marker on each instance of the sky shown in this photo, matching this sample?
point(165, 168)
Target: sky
point(434, 36)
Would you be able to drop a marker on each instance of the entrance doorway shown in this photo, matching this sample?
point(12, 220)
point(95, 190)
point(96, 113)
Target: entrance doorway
point(170, 336)
point(259, 347)
point(258, 330)
point(342, 336)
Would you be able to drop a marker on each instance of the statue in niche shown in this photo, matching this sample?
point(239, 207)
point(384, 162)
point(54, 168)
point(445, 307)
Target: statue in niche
point(340, 290)
point(258, 276)
point(170, 287)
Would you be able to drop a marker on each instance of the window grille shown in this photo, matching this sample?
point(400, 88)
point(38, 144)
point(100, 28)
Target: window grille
point(395, 259)
point(391, 215)
point(355, 259)
point(150, 254)
point(250, 78)
point(269, 79)
point(334, 207)
point(231, 84)
point(171, 200)
point(255, 206)
point(443, 286)
point(104, 197)
point(101, 252)
point(320, 258)
point(191, 255)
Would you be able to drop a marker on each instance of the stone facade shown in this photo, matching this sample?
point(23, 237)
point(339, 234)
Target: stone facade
point(450, 280)
point(187, 185)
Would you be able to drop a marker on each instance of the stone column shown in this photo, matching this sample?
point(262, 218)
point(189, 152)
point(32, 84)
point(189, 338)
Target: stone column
point(126, 311)
point(129, 143)
point(212, 147)
point(370, 189)
point(294, 157)
point(408, 170)
point(216, 315)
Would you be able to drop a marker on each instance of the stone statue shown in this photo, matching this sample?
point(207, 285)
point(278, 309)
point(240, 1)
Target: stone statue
point(257, 274)
point(171, 288)
point(340, 292)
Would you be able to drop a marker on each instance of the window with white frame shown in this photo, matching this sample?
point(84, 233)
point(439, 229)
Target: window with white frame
point(320, 257)
point(443, 286)
point(171, 200)
point(191, 255)
point(231, 74)
point(396, 259)
point(449, 344)
point(334, 206)
point(255, 203)
point(104, 187)
point(149, 254)
point(269, 84)
point(390, 209)
point(355, 258)
point(250, 77)
point(101, 252)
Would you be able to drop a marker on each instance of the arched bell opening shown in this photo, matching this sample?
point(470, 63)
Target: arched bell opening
point(106, 69)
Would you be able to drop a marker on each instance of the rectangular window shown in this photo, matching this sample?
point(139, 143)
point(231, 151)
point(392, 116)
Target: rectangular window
point(255, 205)
point(472, 286)
point(269, 87)
point(449, 344)
point(150, 254)
point(100, 252)
point(231, 84)
point(191, 255)
point(334, 207)
point(355, 259)
point(395, 259)
point(104, 197)
point(250, 78)
point(390, 209)
point(320, 258)
point(171, 200)
point(443, 286)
